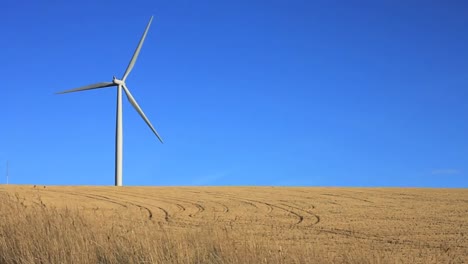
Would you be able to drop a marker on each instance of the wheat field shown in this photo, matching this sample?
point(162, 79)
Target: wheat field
point(58, 224)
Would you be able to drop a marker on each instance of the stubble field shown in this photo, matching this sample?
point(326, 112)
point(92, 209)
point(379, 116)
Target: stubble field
point(45, 224)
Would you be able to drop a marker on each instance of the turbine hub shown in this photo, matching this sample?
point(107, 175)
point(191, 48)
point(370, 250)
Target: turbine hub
point(118, 82)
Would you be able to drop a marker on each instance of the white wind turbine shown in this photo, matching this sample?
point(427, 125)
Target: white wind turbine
point(120, 84)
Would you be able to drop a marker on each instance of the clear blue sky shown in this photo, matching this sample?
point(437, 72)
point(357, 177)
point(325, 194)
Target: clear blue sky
point(302, 93)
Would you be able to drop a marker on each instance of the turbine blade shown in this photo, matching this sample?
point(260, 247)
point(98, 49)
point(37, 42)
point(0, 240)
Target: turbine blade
point(137, 107)
point(137, 51)
point(89, 87)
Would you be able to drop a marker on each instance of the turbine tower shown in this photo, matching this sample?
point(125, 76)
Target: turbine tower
point(120, 84)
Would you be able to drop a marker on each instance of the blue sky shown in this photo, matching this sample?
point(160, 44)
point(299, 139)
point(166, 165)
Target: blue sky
point(301, 93)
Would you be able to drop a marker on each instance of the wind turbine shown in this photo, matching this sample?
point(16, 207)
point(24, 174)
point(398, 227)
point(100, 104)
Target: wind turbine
point(120, 84)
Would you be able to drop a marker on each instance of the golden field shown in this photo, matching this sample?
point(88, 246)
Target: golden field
point(47, 224)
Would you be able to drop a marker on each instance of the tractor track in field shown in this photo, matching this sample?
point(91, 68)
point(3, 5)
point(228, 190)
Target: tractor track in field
point(169, 200)
point(200, 208)
point(293, 206)
point(180, 207)
point(113, 200)
point(244, 201)
point(225, 207)
point(317, 217)
point(115, 197)
point(297, 215)
point(90, 196)
point(144, 206)
point(270, 206)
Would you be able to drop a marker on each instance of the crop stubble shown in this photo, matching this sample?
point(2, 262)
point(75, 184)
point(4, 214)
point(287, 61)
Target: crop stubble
point(397, 224)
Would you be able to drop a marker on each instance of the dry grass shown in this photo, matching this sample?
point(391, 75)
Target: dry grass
point(232, 225)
